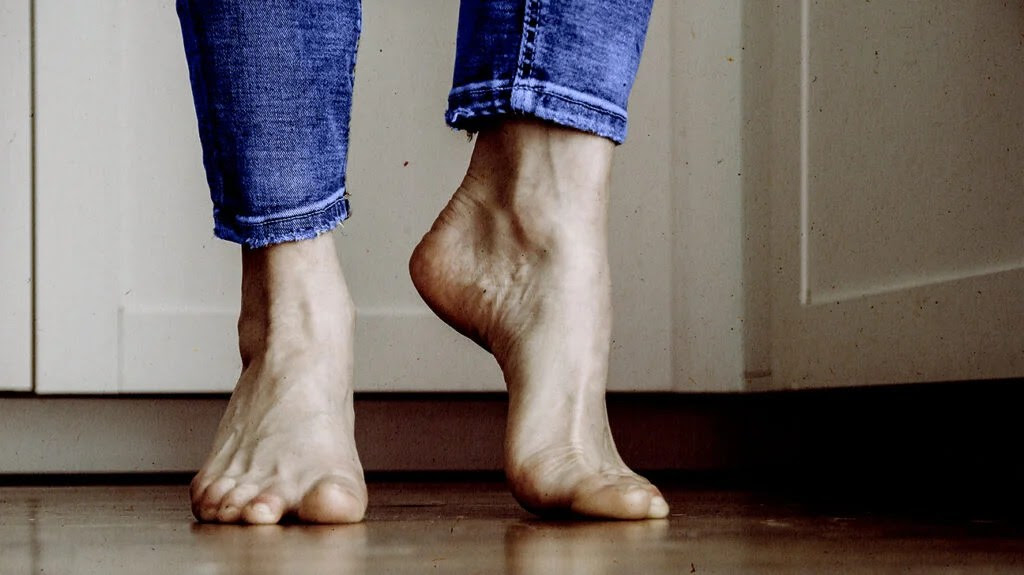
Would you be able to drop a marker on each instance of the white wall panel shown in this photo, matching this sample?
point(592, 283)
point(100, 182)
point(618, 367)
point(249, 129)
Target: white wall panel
point(15, 196)
point(136, 295)
point(897, 204)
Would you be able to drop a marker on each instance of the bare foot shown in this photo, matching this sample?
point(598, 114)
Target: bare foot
point(285, 446)
point(518, 262)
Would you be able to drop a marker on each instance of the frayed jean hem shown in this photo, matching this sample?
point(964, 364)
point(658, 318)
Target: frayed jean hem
point(291, 228)
point(473, 107)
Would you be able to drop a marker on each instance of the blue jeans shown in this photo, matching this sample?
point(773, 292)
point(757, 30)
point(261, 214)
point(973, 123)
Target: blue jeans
point(272, 86)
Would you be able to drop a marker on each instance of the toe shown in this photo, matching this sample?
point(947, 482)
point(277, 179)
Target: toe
point(658, 509)
point(613, 501)
point(231, 505)
point(209, 502)
point(333, 500)
point(266, 508)
point(199, 484)
point(195, 493)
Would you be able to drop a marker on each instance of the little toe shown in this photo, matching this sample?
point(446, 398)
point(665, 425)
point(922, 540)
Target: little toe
point(198, 485)
point(209, 502)
point(231, 505)
point(266, 508)
point(333, 500)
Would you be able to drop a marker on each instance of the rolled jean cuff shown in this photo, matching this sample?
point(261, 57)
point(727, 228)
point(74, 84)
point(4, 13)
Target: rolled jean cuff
point(474, 106)
point(304, 224)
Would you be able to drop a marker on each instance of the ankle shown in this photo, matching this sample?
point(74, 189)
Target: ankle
point(530, 153)
point(294, 296)
point(543, 185)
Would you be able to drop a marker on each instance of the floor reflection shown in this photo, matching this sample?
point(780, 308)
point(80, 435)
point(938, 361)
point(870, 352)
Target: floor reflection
point(277, 549)
point(478, 528)
point(591, 547)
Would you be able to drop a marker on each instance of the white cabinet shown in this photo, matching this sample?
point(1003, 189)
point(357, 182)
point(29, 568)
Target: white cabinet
point(812, 194)
point(135, 295)
point(15, 197)
point(897, 191)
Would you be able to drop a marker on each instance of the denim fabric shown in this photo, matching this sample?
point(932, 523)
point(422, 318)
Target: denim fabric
point(572, 62)
point(272, 87)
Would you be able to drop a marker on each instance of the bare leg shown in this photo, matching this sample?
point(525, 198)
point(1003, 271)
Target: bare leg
point(285, 445)
point(518, 261)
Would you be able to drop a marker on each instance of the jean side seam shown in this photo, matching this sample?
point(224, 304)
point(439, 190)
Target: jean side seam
point(528, 47)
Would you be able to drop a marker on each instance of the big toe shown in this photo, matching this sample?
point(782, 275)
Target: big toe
point(659, 507)
point(333, 500)
point(620, 500)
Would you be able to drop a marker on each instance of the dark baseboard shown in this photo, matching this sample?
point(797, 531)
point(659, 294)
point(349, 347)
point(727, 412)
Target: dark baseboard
point(908, 443)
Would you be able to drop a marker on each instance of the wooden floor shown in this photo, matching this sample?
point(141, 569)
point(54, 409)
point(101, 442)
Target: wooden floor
point(476, 527)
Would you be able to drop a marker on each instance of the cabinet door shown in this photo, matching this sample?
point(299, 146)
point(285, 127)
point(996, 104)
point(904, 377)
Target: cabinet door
point(15, 197)
point(898, 208)
point(135, 295)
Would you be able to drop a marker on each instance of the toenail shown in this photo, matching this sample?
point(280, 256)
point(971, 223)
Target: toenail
point(261, 509)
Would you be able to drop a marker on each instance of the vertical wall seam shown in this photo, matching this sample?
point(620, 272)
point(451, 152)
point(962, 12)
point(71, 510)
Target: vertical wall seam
point(805, 102)
point(674, 194)
point(32, 190)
